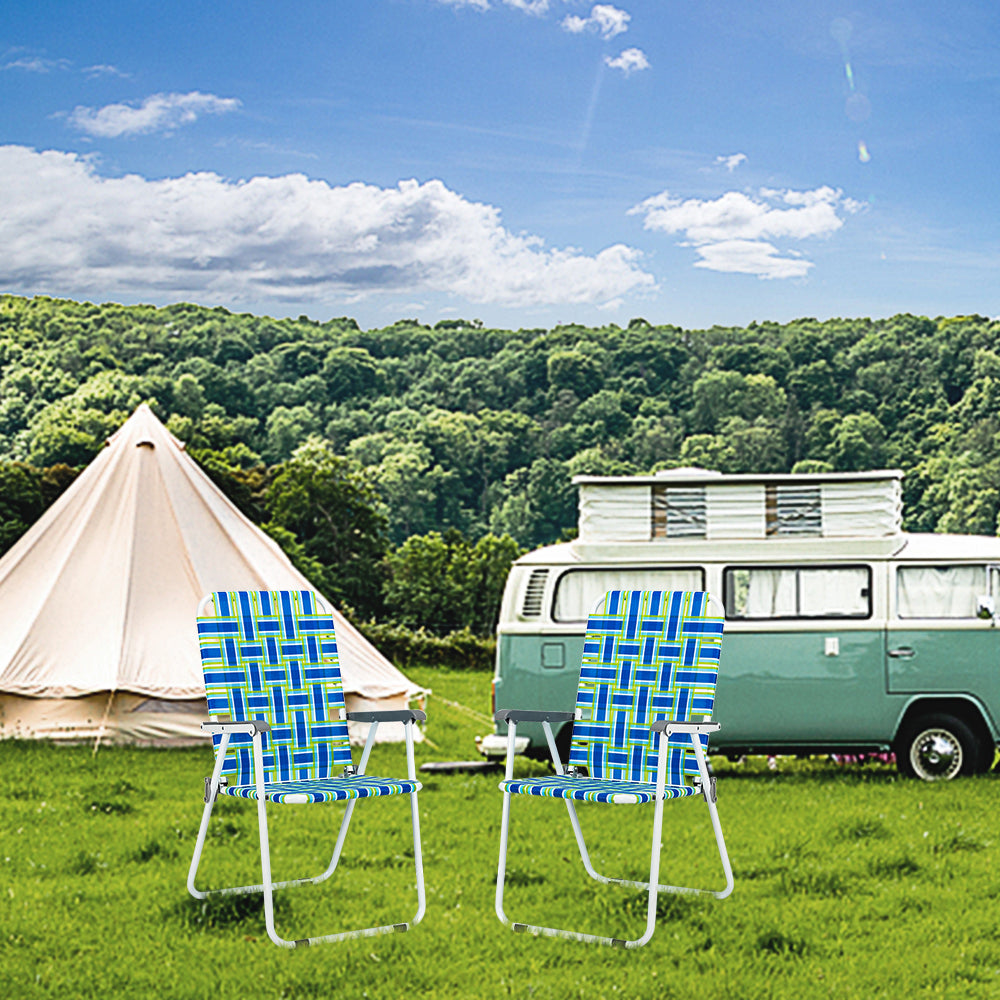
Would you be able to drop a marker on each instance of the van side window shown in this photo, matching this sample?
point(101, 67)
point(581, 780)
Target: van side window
point(943, 591)
point(578, 590)
point(793, 592)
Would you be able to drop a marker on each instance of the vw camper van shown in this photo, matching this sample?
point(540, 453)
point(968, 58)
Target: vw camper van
point(844, 634)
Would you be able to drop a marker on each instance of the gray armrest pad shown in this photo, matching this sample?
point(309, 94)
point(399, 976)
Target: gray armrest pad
point(668, 727)
point(250, 728)
point(520, 715)
point(389, 715)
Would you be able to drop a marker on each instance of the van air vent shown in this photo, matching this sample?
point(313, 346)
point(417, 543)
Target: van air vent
point(533, 594)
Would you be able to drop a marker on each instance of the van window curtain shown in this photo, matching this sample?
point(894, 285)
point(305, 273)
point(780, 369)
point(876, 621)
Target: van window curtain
point(774, 592)
point(833, 592)
point(579, 590)
point(939, 591)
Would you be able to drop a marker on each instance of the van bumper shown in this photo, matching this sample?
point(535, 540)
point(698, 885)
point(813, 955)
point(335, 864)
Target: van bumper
point(495, 745)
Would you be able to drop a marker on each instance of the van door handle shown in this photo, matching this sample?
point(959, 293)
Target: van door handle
point(903, 653)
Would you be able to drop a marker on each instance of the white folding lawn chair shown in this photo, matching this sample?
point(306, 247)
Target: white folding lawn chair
point(270, 662)
point(647, 687)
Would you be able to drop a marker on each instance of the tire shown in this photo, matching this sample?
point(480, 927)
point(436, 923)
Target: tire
point(938, 747)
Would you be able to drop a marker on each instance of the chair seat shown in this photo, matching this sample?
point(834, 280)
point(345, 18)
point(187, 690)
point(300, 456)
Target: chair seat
point(324, 789)
point(594, 789)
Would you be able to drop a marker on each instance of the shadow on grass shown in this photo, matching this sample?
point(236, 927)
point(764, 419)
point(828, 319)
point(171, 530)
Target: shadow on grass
point(226, 912)
point(110, 807)
point(778, 943)
point(862, 829)
point(810, 773)
point(404, 859)
point(671, 907)
point(516, 877)
point(86, 863)
point(151, 850)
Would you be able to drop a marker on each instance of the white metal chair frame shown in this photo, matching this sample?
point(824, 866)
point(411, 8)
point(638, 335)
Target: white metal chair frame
point(255, 730)
point(707, 788)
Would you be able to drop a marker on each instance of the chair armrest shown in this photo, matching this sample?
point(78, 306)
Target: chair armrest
point(251, 728)
point(668, 727)
point(389, 715)
point(516, 715)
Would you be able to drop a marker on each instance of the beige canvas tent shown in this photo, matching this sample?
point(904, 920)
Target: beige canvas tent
point(98, 600)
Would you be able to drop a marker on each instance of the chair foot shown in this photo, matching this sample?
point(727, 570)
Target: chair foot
point(611, 942)
point(342, 936)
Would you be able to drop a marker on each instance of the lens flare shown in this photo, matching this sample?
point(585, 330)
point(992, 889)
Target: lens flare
point(863, 155)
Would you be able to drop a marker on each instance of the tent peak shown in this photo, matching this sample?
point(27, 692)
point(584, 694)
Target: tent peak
point(143, 428)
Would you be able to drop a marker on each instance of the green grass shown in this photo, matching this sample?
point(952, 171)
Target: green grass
point(849, 883)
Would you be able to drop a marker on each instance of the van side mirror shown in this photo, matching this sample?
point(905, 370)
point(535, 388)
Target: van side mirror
point(986, 607)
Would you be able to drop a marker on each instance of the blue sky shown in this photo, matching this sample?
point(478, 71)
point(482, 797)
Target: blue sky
point(524, 162)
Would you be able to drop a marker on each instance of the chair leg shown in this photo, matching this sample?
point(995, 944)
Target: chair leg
point(198, 846)
point(343, 935)
point(653, 886)
point(267, 886)
point(577, 935)
point(237, 890)
point(265, 858)
point(630, 883)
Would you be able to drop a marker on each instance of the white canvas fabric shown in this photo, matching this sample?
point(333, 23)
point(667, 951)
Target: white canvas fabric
point(100, 595)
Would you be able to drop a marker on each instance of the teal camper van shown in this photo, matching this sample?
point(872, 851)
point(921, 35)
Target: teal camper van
point(844, 634)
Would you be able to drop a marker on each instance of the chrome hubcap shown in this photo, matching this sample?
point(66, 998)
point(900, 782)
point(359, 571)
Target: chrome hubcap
point(936, 755)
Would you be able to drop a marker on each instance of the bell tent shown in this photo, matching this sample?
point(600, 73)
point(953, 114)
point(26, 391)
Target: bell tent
point(98, 601)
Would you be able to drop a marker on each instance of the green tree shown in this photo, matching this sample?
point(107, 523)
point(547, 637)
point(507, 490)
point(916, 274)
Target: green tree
point(21, 501)
point(287, 427)
point(333, 514)
point(575, 371)
point(444, 583)
point(537, 504)
point(419, 590)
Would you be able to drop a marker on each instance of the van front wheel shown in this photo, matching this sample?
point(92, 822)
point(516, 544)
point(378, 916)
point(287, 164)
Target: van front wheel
point(937, 747)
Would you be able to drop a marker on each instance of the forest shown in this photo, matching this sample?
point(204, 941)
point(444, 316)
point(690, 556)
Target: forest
point(404, 468)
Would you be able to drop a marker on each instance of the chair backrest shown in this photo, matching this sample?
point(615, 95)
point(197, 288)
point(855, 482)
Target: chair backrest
point(272, 656)
point(648, 655)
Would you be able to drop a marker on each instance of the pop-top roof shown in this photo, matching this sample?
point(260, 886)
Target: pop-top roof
point(697, 503)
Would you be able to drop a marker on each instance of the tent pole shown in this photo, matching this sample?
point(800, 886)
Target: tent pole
point(102, 726)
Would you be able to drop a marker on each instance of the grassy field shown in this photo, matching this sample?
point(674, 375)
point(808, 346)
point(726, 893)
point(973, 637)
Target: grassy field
point(849, 883)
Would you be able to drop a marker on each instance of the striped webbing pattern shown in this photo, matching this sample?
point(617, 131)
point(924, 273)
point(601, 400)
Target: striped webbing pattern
point(272, 656)
point(648, 655)
point(593, 790)
point(329, 790)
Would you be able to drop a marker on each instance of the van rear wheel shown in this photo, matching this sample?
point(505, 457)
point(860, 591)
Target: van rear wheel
point(937, 747)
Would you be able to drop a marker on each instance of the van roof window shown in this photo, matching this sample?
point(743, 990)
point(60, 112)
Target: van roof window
point(792, 510)
point(679, 512)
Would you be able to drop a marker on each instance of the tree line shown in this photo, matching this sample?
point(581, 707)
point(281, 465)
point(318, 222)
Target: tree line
point(404, 468)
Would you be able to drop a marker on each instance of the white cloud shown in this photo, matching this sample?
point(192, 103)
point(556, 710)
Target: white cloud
point(529, 6)
point(733, 161)
point(605, 19)
point(36, 64)
point(732, 232)
point(628, 61)
point(157, 113)
point(751, 257)
point(102, 69)
point(64, 230)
